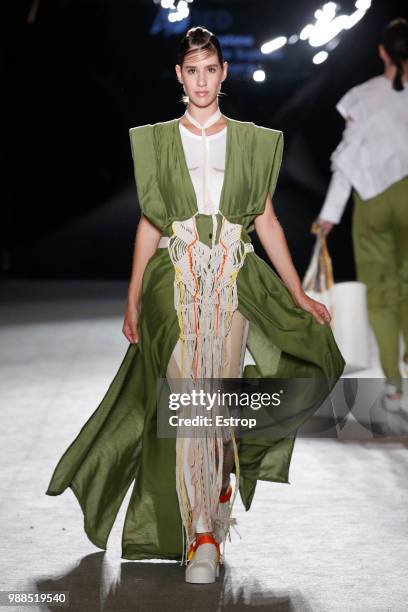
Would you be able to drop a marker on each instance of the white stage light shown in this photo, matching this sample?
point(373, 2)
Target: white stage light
point(363, 5)
point(259, 76)
point(274, 44)
point(293, 39)
point(325, 29)
point(320, 57)
point(182, 11)
point(306, 32)
point(354, 18)
point(329, 10)
point(328, 26)
point(332, 44)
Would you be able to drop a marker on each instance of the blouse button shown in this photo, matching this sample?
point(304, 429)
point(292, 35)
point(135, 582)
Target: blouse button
point(210, 235)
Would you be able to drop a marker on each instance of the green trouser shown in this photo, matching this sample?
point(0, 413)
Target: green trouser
point(380, 239)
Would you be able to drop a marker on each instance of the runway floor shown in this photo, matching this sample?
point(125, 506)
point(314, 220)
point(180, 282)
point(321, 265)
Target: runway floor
point(334, 540)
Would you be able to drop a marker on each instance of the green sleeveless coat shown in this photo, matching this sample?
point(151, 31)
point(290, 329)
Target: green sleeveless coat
point(118, 445)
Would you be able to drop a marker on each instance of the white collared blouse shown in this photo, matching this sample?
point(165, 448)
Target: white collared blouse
point(193, 150)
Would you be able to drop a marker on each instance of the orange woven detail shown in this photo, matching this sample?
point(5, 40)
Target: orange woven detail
point(203, 539)
point(190, 258)
point(226, 496)
point(224, 259)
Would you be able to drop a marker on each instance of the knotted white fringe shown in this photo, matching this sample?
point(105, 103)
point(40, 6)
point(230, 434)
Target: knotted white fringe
point(205, 298)
point(205, 294)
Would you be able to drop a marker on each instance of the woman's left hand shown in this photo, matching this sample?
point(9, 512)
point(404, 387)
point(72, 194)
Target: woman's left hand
point(326, 226)
point(317, 309)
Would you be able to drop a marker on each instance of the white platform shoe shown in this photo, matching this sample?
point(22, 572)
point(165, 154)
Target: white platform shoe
point(203, 560)
point(391, 404)
point(397, 403)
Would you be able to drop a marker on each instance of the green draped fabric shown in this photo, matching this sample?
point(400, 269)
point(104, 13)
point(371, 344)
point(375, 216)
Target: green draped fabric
point(118, 445)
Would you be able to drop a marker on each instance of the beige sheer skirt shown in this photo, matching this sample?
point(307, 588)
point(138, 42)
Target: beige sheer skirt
point(235, 347)
point(234, 365)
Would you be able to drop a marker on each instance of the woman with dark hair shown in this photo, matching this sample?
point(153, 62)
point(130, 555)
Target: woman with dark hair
point(372, 160)
point(202, 307)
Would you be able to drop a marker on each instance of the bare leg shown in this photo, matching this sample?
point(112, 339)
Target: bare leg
point(236, 344)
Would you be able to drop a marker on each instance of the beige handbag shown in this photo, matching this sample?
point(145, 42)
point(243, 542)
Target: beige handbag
point(346, 302)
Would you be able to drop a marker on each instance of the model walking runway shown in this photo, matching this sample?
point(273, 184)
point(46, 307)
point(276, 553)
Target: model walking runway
point(202, 269)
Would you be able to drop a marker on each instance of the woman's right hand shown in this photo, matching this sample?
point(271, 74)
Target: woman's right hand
point(131, 321)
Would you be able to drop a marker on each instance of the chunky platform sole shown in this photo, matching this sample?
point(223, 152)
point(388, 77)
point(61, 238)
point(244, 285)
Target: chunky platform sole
point(204, 566)
point(202, 574)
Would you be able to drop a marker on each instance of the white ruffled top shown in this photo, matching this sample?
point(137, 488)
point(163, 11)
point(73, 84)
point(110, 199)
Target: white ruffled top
point(373, 152)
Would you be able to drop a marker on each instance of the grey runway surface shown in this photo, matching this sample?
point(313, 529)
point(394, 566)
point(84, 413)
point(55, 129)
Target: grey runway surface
point(334, 540)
